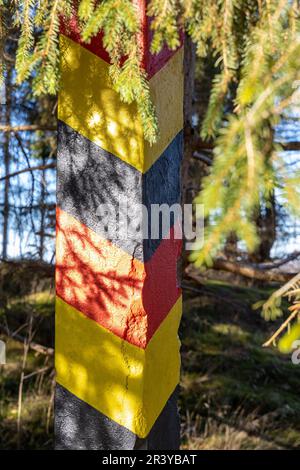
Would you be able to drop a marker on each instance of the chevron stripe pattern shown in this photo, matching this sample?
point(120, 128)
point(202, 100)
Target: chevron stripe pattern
point(118, 304)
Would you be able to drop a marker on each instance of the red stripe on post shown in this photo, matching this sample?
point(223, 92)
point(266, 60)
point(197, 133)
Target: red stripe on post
point(121, 293)
point(152, 63)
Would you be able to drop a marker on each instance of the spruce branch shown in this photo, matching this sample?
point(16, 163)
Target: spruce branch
point(120, 23)
point(268, 66)
point(119, 20)
point(271, 309)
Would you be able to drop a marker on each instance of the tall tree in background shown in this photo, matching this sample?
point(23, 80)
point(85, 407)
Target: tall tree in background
point(6, 160)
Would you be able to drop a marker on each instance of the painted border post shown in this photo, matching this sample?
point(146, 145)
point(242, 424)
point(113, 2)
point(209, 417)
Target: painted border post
point(118, 304)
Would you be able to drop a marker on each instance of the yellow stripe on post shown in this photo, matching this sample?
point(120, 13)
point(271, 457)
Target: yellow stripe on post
point(126, 383)
point(88, 104)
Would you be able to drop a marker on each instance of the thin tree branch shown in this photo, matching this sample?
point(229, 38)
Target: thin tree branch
point(39, 371)
point(251, 272)
point(25, 170)
point(203, 158)
point(27, 127)
point(277, 264)
point(290, 145)
point(199, 144)
point(281, 328)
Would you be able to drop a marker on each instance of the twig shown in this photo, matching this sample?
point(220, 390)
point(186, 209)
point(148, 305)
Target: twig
point(50, 405)
point(32, 168)
point(199, 144)
point(203, 158)
point(280, 329)
point(285, 288)
point(20, 394)
point(39, 371)
point(29, 127)
point(279, 263)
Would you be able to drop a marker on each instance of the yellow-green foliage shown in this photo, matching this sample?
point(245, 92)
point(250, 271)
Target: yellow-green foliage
point(285, 344)
point(272, 308)
point(38, 52)
point(256, 51)
point(259, 72)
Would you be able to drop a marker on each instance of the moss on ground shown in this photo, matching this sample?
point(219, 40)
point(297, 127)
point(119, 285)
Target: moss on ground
point(235, 394)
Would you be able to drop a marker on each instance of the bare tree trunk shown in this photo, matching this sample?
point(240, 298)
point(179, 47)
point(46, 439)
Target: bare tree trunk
point(189, 85)
point(42, 211)
point(265, 217)
point(266, 226)
point(6, 152)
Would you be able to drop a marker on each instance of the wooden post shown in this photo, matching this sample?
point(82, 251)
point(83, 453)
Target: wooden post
point(118, 302)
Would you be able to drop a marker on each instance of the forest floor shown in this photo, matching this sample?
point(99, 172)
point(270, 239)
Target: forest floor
point(234, 393)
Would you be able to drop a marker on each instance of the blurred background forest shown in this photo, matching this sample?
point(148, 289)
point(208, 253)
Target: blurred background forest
point(235, 393)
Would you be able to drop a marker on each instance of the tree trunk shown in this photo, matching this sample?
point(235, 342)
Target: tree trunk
point(189, 82)
point(265, 216)
point(266, 227)
point(6, 152)
point(189, 85)
point(42, 211)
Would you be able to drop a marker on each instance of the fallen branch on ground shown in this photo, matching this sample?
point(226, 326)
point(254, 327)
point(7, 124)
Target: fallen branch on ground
point(251, 272)
point(39, 348)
